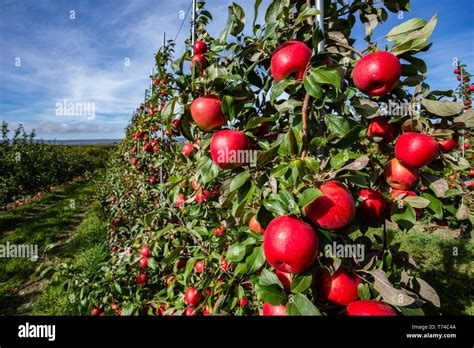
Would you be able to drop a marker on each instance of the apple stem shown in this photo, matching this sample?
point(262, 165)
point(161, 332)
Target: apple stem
point(305, 126)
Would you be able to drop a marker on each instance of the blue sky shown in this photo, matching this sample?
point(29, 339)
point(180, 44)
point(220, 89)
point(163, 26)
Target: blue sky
point(83, 59)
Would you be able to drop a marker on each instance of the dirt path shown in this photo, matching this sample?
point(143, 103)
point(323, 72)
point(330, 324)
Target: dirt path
point(49, 223)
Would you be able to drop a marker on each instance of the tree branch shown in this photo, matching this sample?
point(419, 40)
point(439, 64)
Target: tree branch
point(305, 126)
point(348, 47)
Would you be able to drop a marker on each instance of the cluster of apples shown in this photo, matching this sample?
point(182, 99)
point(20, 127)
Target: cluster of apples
point(468, 89)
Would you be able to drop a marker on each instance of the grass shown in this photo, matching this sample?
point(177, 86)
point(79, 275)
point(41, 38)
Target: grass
point(48, 223)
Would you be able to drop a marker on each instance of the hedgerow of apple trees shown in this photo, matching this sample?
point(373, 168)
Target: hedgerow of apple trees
point(183, 246)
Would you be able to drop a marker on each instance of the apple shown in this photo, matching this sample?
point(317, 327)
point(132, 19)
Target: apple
point(198, 267)
point(144, 262)
point(285, 280)
point(219, 231)
point(139, 134)
point(254, 225)
point(96, 311)
point(181, 263)
point(155, 148)
point(290, 58)
point(134, 161)
point(141, 279)
point(115, 307)
point(202, 196)
point(377, 73)
point(467, 146)
point(339, 288)
point(471, 88)
point(144, 251)
point(152, 180)
point(335, 209)
point(399, 176)
point(192, 296)
point(176, 123)
point(380, 127)
point(190, 311)
point(468, 102)
point(229, 149)
point(243, 302)
point(200, 47)
point(457, 71)
point(224, 264)
point(269, 310)
point(369, 308)
point(290, 245)
point(187, 150)
point(195, 185)
point(200, 62)
point(447, 145)
point(148, 147)
point(207, 113)
point(180, 200)
point(415, 149)
point(116, 222)
point(373, 205)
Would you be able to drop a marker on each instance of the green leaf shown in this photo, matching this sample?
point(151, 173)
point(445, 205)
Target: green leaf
point(308, 196)
point(338, 125)
point(326, 76)
point(239, 180)
point(301, 283)
point(235, 22)
point(255, 11)
point(405, 216)
point(255, 260)
point(277, 207)
point(313, 87)
point(236, 252)
point(305, 14)
point(269, 278)
point(400, 32)
point(299, 304)
point(278, 89)
point(416, 40)
point(442, 108)
point(436, 206)
point(364, 291)
point(273, 11)
point(272, 294)
point(417, 202)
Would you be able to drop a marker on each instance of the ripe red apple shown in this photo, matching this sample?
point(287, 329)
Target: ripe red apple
point(229, 149)
point(243, 302)
point(380, 127)
point(144, 262)
point(471, 88)
point(290, 245)
point(468, 102)
point(187, 150)
point(290, 58)
point(400, 176)
point(199, 267)
point(134, 161)
point(339, 288)
point(192, 296)
point(335, 209)
point(254, 225)
point(180, 200)
point(190, 311)
point(145, 252)
point(219, 231)
point(269, 310)
point(202, 196)
point(415, 149)
point(139, 134)
point(207, 112)
point(457, 71)
point(377, 73)
point(369, 308)
point(224, 264)
point(200, 47)
point(176, 123)
point(148, 147)
point(152, 180)
point(200, 62)
point(447, 145)
point(115, 307)
point(372, 205)
point(142, 278)
point(285, 279)
point(96, 311)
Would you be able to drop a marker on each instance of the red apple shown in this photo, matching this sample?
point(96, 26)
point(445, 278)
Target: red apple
point(377, 73)
point(176, 123)
point(180, 200)
point(243, 302)
point(144, 251)
point(290, 58)
point(229, 149)
point(207, 112)
point(335, 209)
point(144, 262)
point(96, 311)
point(468, 102)
point(400, 176)
point(200, 61)
point(115, 307)
point(447, 145)
point(202, 196)
point(192, 296)
point(254, 225)
point(369, 308)
point(187, 150)
point(134, 161)
point(152, 180)
point(190, 311)
point(415, 149)
point(269, 310)
point(379, 127)
point(200, 47)
point(471, 88)
point(142, 278)
point(285, 280)
point(339, 288)
point(457, 71)
point(290, 245)
point(198, 267)
point(373, 205)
